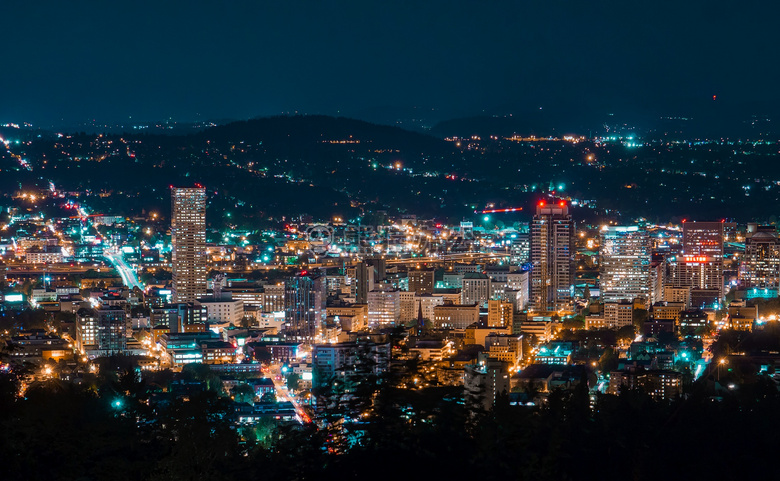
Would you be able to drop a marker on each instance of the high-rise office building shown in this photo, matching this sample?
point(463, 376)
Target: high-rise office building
point(624, 264)
point(365, 278)
point(384, 306)
point(703, 239)
point(760, 268)
point(476, 289)
point(305, 307)
point(101, 331)
point(520, 250)
point(552, 258)
point(188, 238)
point(380, 267)
point(700, 265)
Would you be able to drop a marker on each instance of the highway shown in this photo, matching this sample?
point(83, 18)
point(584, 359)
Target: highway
point(125, 271)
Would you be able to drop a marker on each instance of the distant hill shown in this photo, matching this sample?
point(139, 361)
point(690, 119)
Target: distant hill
point(301, 133)
point(274, 169)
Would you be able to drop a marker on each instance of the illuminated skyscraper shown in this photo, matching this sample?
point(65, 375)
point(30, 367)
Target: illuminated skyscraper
point(624, 264)
point(188, 238)
point(700, 266)
point(304, 304)
point(365, 276)
point(552, 258)
point(101, 331)
point(520, 248)
point(384, 306)
point(476, 288)
point(760, 267)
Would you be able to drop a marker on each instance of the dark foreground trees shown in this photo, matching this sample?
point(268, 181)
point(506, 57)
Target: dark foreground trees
point(69, 432)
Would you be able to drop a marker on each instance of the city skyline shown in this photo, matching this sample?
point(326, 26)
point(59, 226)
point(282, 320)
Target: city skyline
point(282, 344)
point(389, 240)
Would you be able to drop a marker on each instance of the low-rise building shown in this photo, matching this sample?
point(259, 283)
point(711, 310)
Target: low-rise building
point(668, 310)
point(504, 347)
point(742, 317)
point(693, 322)
point(185, 347)
point(223, 309)
point(485, 381)
point(455, 316)
point(43, 255)
point(357, 314)
point(217, 352)
point(660, 384)
point(542, 329)
point(618, 314)
point(556, 353)
point(432, 350)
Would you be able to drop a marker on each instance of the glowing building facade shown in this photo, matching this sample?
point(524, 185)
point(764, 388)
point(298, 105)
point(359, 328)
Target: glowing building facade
point(188, 239)
point(624, 264)
point(760, 267)
point(552, 259)
point(700, 265)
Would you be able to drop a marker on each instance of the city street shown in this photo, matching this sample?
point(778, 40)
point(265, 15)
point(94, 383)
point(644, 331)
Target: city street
point(283, 394)
point(126, 272)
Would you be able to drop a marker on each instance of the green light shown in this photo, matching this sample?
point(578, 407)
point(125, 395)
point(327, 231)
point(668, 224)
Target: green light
point(486, 218)
point(560, 186)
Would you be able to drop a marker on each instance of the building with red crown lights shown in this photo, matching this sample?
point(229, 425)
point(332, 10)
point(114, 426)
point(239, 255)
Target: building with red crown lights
point(700, 265)
point(552, 258)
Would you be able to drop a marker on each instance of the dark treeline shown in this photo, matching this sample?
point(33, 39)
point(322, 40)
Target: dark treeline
point(116, 427)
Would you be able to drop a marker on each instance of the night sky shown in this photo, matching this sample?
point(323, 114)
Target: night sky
point(71, 61)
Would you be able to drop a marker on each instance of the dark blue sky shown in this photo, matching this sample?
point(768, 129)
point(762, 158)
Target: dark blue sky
point(229, 59)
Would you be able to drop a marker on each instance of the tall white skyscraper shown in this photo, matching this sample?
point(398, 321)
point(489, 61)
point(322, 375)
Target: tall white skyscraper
point(188, 238)
point(624, 264)
point(552, 258)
